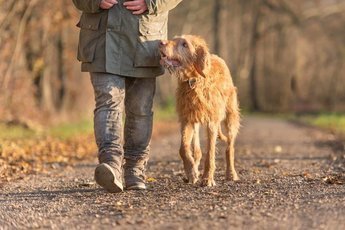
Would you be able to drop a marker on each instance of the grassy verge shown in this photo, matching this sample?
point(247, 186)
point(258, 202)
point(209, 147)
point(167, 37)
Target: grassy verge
point(61, 131)
point(334, 122)
point(15, 132)
point(166, 112)
point(66, 130)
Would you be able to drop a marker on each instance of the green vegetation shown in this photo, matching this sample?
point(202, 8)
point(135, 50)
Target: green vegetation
point(334, 122)
point(15, 131)
point(166, 111)
point(68, 130)
point(62, 131)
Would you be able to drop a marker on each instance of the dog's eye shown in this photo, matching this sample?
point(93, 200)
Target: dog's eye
point(185, 45)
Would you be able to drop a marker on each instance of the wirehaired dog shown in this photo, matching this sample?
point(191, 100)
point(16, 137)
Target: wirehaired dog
point(206, 96)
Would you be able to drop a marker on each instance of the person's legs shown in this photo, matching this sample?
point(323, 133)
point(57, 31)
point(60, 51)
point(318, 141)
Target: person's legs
point(138, 129)
point(109, 90)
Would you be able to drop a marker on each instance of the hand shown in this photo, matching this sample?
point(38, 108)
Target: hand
point(107, 4)
point(136, 6)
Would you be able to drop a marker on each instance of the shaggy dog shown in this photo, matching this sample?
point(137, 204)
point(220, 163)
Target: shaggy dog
point(206, 96)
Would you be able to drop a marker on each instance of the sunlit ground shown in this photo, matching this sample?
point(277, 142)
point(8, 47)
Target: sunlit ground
point(25, 150)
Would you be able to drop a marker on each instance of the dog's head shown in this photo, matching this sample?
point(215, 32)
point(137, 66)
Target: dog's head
point(186, 53)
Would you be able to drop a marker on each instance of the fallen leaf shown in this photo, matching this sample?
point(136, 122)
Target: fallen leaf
point(151, 179)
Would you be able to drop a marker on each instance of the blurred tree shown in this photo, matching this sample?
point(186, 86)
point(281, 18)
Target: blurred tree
point(283, 55)
point(42, 79)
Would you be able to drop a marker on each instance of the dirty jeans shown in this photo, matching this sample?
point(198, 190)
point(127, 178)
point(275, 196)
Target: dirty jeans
point(112, 94)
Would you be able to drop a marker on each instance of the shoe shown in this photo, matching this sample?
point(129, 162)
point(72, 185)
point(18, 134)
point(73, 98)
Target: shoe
point(108, 178)
point(134, 176)
point(135, 184)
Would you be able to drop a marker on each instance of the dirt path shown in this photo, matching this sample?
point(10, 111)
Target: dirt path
point(292, 177)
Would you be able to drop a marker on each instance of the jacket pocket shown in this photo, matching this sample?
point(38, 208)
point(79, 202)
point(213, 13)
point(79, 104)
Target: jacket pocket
point(147, 54)
point(151, 30)
point(89, 35)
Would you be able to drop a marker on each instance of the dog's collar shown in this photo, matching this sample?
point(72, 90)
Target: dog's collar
point(192, 82)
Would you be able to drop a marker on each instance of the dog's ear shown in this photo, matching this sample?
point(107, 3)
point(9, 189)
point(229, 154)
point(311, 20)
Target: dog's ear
point(202, 62)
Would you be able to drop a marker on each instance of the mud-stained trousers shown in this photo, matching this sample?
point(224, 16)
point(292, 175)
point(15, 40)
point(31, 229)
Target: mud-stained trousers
point(113, 93)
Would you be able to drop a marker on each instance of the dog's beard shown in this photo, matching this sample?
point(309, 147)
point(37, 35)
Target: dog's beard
point(167, 62)
point(171, 64)
point(176, 67)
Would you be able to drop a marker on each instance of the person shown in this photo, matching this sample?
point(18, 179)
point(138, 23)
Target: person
point(118, 46)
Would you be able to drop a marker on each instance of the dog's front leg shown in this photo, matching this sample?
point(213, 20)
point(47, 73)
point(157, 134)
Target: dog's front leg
point(185, 152)
point(210, 161)
point(196, 147)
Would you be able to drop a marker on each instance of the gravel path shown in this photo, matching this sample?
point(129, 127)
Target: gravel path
point(292, 177)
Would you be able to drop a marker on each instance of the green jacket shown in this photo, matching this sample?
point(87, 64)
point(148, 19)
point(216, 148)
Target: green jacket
point(118, 42)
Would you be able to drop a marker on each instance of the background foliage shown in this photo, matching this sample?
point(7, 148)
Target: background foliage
point(284, 55)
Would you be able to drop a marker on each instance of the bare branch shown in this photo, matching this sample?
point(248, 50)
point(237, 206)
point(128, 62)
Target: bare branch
point(19, 42)
point(9, 16)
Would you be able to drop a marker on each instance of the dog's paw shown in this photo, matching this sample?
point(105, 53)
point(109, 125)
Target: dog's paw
point(191, 180)
point(233, 177)
point(207, 182)
point(192, 176)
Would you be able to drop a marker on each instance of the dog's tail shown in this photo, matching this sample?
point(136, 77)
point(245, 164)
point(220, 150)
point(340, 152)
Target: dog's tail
point(220, 133)
point(232, 120)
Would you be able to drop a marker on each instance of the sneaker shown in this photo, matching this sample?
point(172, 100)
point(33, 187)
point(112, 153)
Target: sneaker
point(109, 178)
point(134, 176)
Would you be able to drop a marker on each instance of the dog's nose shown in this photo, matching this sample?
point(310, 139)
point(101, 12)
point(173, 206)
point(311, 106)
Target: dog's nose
point(163, 43)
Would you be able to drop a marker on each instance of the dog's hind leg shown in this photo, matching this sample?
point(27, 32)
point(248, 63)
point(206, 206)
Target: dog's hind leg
point(210, 160)
point(233, 124)
point(230, 160)
point(196, 148)
point(187, 131)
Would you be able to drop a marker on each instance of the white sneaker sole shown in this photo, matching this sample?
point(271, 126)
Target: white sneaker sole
point(136, 186)
point(105, 177)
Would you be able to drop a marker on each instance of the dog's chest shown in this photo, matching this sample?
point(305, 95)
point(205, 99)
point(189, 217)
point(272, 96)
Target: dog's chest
point(201, 104)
